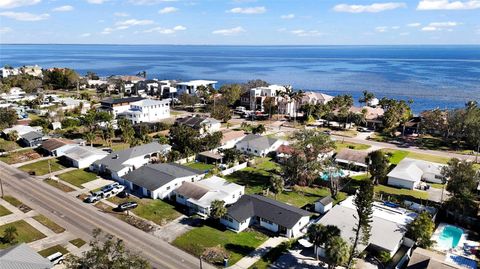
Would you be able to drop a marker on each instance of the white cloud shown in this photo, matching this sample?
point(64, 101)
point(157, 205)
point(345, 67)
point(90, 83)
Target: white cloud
point(4, 30)
point(17, 3)
point(373, 8)
point(133, 22)
point(306, 33)
point(448, 5)
point(166, 31)
point(98, 2)
point(288, 16)
point(414, 24)
point(150, 2)
point(120, 14)
point(248, 10)
point(63, 8)
point(167, 10)
point(440, 26)
point(85, 35)
point(228, 32)
point(24, 16)
point(381, 29)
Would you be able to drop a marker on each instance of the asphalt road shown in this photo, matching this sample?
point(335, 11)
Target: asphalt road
point(81, 219)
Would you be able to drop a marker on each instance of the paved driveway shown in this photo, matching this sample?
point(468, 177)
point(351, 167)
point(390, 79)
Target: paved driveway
point(177, 227)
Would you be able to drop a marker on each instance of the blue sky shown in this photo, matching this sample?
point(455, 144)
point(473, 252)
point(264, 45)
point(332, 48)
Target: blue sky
point(243, 22)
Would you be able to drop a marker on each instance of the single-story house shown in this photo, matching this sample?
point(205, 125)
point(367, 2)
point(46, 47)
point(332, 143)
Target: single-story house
point(57, 146)
point(202, 124)
point(284, 152)
point(258, 145)
point(352, 159)
point(323, 205)
point(22, 129)
point(158, 181)
point(198, 196)
point(210, 157)
point(22, 256)
point(83, 156)
point(119, 163)
point(31, 139)
point(230, 138)
point(267, 213)
point(426, 259)
point(410, 172)
point(388, 225)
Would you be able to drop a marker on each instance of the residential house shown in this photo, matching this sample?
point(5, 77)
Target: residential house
point(352, 159)
point(388, 226)
point(210, 157)
point(426, 259)
point(72, 103)
point(190, 87)
point(147, 110)
point(373, 115)
point(258, 145)
point(83, 156)
point(31, 139)
point(323, 205)
point(315, 98)
point(119, 163)
point(56, 125)
point(258, 95)
point(57, 146)
point(22, 256)
point(167, 88)
point(34, 70)
point(14, 94)
point(230, 138)
point(158, 181)
point(22, 130)
point(283, 153)
point(267, 213)
point(119, 105)
point(202, 124)
point(198, 196)
point(410, 172)
point(7, 71)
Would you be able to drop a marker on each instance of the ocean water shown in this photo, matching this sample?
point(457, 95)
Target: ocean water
point(433, 76)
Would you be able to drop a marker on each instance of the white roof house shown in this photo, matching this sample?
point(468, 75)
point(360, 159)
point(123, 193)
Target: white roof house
point(388, 224)
point(410, 172)
point(200, 195)
point(259, 145)
point(190, 87)
point(84, 156)
point(315, 98)
point(22, 129)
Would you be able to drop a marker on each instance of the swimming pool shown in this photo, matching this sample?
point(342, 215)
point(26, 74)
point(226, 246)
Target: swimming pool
point(334, 174)
point(449, 237)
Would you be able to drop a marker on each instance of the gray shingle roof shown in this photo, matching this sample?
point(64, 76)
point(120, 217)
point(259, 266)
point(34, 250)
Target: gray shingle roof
point(154, 176)
point(277, 212)
point(195, 122)
point(30, 136)
point(114, 161)
point(325, 200)
point(22, 257)
point(112, 101)
point(258, 141)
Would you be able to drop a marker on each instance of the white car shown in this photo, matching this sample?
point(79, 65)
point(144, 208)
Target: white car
point(56, 258)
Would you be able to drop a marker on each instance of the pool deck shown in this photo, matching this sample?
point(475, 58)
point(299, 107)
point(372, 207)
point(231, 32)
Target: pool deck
point(462, 244)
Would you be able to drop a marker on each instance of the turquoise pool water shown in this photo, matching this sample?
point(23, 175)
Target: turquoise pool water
point(449, 237)
point(335, 174)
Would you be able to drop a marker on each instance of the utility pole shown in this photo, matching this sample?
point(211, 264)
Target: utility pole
point(1, 185)
point(49, 169)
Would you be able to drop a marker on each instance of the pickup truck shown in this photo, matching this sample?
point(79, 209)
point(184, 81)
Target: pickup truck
point(94, 197)
point(112, 190)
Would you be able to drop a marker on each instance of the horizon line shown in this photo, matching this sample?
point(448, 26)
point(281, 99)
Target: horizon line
point(243, 45)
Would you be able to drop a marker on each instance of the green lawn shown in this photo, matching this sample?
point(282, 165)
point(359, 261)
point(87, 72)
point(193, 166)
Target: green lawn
point(391, 190)
point(49, 224)
point(59, 185)
point(4, 211)
point(6, 145)
point(41, 167)
point(25, 233)
point(77, 177)
point(437, 185)
point(272, 255)
point(12, 200)
point(78, 242)
point(19, 156)
point(398, 155)
point(350, 145)
point(51, 250)
point(301, 196)
point(200, 166)
point(120, 146)
point(237, 245)
point(156, 210)
point(266, 164)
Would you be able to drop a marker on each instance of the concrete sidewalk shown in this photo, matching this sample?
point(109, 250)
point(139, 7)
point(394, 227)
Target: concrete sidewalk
point(255, 255)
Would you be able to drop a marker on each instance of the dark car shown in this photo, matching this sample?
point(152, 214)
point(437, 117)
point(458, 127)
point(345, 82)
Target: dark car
point(123, 194)
point(127, 206)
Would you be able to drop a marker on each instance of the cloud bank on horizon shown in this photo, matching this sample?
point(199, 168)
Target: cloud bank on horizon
point(243, 22)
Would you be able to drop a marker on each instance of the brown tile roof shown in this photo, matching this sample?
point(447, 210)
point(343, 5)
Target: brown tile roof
point(191, 190)
point(351, 155)
point(55, 143)
point(229, 135)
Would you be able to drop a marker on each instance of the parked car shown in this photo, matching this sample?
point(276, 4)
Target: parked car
point(94, 197)
point(127, 206)
point(112, 190)
point(56, 258)
point(363, 129)
point(123, 194)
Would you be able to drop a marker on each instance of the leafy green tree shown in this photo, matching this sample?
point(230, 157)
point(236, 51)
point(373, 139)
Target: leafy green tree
point(9, 235)
point(378, 166)
point(12, 136)
point(397, 113)
point(259, 129)
point(8, 117)
point(106, 251)
point(319, 234)
point(90, 137)
point(336, 252)
point(221, 112)
point(312, 142)
point(421, 229)
point(188, 100)
point(218, 209)
point(127, 131)
point(61, 78)
point(270, 106)
point(230, 155)
point(231, 93)
point(276, 184)
point(363, 203)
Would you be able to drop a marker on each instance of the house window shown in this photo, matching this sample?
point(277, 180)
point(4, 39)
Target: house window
point(267, 221)
point(168, 188)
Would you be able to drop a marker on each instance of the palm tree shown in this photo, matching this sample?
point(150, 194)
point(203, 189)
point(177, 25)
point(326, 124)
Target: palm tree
point(90, 137)
point(366, 98)
point(336, 251)
point(319, 234)
point(9, 235)
point(277, 183)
